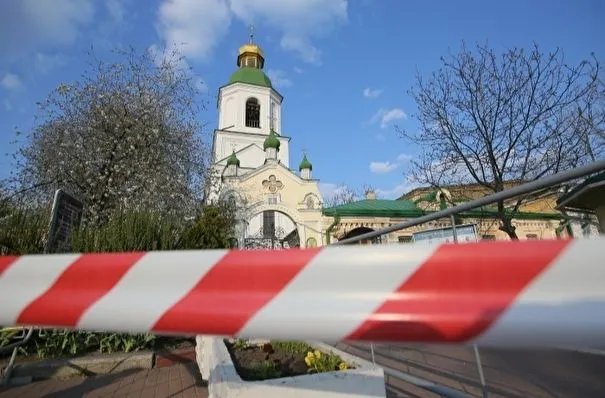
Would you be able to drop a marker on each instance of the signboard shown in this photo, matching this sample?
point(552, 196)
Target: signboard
point(66, 215)
point(465, 233)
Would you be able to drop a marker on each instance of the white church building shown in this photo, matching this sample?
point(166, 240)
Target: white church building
point(277, 207)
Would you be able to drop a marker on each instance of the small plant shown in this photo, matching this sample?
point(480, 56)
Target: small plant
point(240, 344)
point(265, 370)
point(318, 362)
point(291, 347)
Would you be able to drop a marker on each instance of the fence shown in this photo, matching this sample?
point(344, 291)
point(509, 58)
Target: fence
point(89, 291)
point(452, 212)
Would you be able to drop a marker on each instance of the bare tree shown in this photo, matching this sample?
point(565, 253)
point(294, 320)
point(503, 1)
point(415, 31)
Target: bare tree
point(489, 119)
point(125, 135)
point(343, 194)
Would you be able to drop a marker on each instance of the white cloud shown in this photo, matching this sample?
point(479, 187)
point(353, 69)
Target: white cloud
point(193, 27)
point(297, 69)
point(396, 191)
point(388, 166)
point(196, 26)
point(116, 10)
point(27, 25)
point(7, 105)
point(382, 167)
point(371, 93)
point(386, 116)
point(11, 82)
point(279, 78)
point(298, 20)
point(303, 47)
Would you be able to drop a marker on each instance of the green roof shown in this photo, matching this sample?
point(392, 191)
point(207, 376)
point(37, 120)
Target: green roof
point(251, 76)
point(406, 208)
point(233, 160)
point(305, 164)
point(376, 208)
point(272, 141)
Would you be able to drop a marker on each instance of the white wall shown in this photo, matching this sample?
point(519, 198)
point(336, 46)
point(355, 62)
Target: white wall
point(226, 141)
point(232, 108)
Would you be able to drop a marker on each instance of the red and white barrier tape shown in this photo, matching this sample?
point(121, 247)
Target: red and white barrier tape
point(490, 293)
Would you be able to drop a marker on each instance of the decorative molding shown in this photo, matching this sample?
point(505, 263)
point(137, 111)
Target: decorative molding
point(273, 185)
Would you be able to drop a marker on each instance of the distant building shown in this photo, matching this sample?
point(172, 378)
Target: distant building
point(537, 218)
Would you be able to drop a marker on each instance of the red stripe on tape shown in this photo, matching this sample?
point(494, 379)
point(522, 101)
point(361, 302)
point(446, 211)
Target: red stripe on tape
point(235, 289)
point(459, 291)
point(84, 282)
point(5, 262)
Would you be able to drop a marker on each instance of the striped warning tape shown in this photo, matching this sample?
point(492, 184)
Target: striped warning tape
point(490, 293)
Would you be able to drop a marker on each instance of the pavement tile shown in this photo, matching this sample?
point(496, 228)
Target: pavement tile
point(179, 380)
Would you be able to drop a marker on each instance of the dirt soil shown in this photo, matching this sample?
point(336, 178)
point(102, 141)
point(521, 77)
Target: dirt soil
point(246, 361)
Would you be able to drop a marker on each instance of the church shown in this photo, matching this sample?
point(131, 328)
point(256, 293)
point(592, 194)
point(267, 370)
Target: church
point(277, 206)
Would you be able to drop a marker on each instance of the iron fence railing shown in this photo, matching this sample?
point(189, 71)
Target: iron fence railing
point(528, 188)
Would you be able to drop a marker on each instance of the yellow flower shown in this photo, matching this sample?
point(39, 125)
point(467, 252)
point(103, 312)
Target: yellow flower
point(308, 360)
point(343, 366)
point(317, 354)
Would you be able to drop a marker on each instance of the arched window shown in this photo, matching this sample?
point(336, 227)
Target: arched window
point(252, 113)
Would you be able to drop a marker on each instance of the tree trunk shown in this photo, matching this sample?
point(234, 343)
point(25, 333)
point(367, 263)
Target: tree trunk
point(506, 222)
point(508, 227)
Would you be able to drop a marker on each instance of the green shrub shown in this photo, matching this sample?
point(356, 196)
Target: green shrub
point(24, 232)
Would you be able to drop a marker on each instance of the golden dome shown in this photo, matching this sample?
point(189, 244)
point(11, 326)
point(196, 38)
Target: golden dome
point(250, 49)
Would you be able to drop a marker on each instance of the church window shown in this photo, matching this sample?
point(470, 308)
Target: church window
point(310, 203)
point(252, 113)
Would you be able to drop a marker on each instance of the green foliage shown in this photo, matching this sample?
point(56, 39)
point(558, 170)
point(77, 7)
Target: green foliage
point(132, 231)
point(212, 229)
point(291, 347)
point(319, 362)
point(23, 231)
point(240, 344)
point(265, 370)
point(56, 343)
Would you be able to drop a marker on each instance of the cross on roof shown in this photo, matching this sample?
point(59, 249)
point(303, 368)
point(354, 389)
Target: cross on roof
point(251, 32)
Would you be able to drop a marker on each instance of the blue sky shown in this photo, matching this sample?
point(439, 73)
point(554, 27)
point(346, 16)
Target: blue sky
point(343, 66)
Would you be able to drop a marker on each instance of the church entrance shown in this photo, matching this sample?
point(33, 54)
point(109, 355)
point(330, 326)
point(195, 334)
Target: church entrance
point(271, 230)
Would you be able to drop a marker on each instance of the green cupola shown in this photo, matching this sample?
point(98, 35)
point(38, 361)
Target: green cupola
point(272, 141)
point(305, 164)
point(232, 160)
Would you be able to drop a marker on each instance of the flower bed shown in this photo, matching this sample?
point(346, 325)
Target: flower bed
point(223, 364)
point(275, 359)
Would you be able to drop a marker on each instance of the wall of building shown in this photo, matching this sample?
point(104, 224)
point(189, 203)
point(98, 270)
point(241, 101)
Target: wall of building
point(297, 200)
point(232, 108)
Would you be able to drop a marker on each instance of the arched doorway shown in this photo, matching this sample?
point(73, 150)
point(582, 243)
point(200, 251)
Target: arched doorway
point(360, 231)
point(271, 229)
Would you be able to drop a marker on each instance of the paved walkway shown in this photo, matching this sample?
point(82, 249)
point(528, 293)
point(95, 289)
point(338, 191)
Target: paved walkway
point(180, 380)
point(508, 373)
